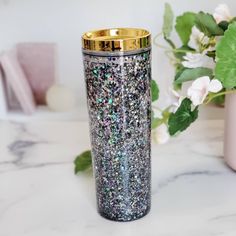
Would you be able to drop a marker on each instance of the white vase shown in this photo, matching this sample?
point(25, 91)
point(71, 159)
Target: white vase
point(230, 131)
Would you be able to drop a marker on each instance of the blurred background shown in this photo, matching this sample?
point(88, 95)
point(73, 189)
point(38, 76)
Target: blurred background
point(62, 22)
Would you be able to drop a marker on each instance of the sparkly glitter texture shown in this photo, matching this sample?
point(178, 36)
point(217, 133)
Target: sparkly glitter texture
point(118, 92)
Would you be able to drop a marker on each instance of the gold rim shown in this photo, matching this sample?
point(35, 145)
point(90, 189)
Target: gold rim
point(116, 39)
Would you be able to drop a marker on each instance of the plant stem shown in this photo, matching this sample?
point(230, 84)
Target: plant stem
point(170, 42)
point(166, 39)
point(182, 50)
point(219, 94)
point(157, 44)
point(173, 49)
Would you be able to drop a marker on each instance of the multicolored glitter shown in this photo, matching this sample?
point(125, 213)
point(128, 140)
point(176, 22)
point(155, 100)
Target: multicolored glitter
point(119, 103)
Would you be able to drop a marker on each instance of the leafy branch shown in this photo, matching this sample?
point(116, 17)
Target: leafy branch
point(222, 52)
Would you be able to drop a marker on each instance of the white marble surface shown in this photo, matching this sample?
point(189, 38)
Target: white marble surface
point(193, 191)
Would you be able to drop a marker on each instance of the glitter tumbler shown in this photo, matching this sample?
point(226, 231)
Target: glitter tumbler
point(117, 67)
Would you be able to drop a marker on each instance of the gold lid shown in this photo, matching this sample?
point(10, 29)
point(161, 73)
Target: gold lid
point(116, 39)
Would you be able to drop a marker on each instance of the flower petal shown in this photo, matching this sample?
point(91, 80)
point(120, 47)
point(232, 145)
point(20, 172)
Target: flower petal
point(194, 60)
point(197, 38)
point(201, 83)
point(161, 134)
point(222, 13)
point(198, 91)
point(193, 40)
point(215, 86)
point(197, 96)
point(176, 100)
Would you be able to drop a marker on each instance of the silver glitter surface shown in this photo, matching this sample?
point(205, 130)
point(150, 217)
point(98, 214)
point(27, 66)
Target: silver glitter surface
point(119, 103)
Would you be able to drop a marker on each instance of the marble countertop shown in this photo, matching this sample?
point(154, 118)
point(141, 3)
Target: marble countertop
point(193, 191)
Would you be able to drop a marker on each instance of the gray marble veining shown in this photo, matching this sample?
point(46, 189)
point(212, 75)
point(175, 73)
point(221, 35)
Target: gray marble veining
point(193, 191)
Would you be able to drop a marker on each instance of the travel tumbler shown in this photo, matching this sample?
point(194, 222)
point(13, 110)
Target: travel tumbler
point(117, 67)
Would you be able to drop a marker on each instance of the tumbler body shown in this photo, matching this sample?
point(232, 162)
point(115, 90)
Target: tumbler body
point(119, 105)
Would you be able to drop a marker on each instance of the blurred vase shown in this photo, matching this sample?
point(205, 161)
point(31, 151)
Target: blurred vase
point(117, 65)
point(230, 131)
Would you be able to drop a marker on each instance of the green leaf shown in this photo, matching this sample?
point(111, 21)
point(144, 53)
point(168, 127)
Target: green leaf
point(225, 70)
point(178, 71)
point(177, 86)
point(154, 90)
point(181, 52)
point(232, 20)
point(167, 21)
point(207, 24)
point(156, 122)
point(224, 25)
point(183, 117)
point(83, 161)
point(184, 24)
point(191, 74)
point(219, 101)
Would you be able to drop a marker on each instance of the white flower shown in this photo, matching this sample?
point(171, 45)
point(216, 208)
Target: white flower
point(222, 13)
point(194, 60)
point(176, 100)
point(199, 89)
point(161, 134)
point(197, 38)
